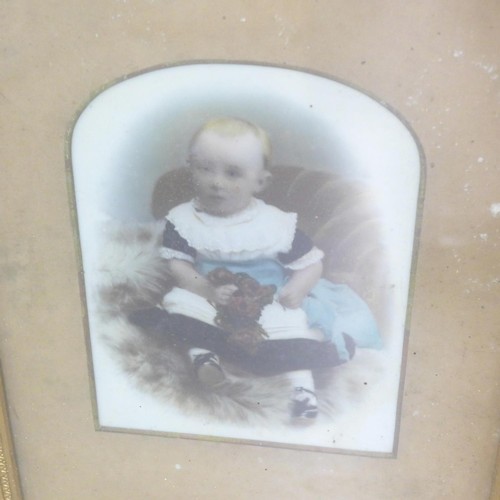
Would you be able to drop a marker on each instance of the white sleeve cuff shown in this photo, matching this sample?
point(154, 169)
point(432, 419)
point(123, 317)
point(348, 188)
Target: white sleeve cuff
point(314, 255)
point(168, 253)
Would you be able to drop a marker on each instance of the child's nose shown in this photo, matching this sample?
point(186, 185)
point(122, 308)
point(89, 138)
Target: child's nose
point(217, 182)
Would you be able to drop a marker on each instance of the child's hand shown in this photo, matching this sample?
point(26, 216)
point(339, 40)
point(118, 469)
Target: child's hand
point(299, 285)
point(291, 297)
point(223, 294)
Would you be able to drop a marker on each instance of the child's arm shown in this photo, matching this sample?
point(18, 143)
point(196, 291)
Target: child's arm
point(300, 284)
point(186, 276)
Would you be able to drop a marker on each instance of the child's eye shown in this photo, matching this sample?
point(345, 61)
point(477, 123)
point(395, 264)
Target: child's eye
point(202, 168)
point(233, 173)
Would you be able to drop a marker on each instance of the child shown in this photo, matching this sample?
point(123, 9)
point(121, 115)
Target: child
point(226, 226)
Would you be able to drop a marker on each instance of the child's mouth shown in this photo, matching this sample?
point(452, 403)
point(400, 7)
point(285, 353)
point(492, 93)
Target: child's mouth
point(216, 197)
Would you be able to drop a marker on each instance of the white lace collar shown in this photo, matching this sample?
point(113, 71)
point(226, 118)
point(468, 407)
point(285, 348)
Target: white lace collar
point(245, 215)
point(260, 230)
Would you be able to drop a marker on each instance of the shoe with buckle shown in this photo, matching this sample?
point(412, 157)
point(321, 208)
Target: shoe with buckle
point(304, 407)
point(208, 369)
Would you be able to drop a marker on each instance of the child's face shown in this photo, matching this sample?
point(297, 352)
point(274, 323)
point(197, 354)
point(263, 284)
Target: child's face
point(227, 171)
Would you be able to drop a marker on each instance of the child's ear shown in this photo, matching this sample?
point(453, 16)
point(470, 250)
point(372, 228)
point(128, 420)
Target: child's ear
point(189, 171)
point(264, 180)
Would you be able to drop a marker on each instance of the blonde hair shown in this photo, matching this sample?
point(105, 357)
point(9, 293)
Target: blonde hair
point(234, 127)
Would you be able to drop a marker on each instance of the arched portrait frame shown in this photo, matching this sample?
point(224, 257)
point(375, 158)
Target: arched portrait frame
point(138, 129)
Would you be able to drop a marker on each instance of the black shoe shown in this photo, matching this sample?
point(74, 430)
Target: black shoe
point(208, 369)
point(304, 405)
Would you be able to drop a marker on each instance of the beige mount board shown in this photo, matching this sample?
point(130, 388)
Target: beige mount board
point(434, 62)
